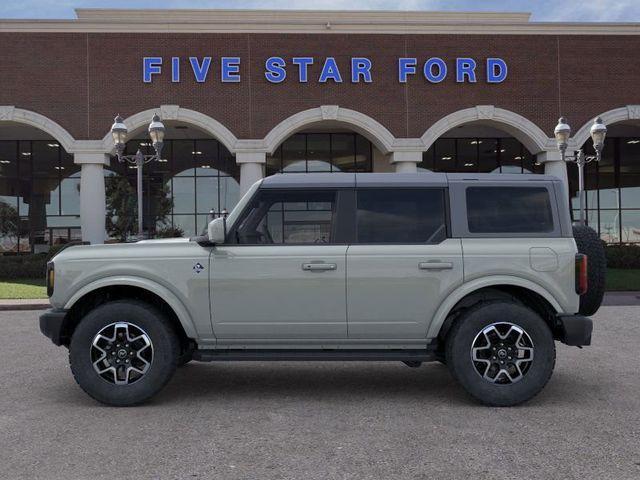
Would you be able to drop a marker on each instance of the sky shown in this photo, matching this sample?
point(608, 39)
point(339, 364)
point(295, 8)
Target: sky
point(542, 10)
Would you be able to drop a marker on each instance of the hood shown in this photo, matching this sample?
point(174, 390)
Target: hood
point(118, 251)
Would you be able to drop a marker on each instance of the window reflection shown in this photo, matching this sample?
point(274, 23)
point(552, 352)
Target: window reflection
point(612, 189)
point(197, 176)
point(39, 196)
point(322, 152)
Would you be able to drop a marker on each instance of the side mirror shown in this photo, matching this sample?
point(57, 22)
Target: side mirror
point(217, 230)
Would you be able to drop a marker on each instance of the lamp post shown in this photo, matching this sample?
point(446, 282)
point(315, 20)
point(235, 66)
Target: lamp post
point(562, 133)
point(119, 133)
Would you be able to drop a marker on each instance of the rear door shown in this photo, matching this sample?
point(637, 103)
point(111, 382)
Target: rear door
point(402, 264)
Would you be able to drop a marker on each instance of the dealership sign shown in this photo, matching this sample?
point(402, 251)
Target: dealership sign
point(310, 69)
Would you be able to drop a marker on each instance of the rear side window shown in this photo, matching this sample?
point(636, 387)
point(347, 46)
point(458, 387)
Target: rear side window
point(401, 215)
point(509, 210)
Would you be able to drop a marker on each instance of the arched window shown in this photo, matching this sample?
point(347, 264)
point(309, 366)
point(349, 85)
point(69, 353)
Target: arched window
point(39, 194)
point(197, 175)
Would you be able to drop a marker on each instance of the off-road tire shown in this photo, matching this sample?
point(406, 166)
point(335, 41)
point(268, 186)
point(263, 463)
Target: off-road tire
point(166, 350)
point(589, 243)
point(458, 351)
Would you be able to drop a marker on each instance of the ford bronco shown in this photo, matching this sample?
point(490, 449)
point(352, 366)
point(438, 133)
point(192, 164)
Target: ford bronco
point(481, 272)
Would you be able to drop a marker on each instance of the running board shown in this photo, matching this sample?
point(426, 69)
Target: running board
point(423, 355)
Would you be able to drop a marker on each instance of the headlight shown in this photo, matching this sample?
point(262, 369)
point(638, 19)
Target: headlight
point(51, 277)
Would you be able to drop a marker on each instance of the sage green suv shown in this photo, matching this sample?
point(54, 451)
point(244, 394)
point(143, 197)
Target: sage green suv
point(480, 272)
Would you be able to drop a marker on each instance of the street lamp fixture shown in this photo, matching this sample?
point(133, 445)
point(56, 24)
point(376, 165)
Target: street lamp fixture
point(562, 133)
point(119, 133)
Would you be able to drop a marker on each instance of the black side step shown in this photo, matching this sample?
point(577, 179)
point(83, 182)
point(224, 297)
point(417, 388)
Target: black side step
point(424, 355)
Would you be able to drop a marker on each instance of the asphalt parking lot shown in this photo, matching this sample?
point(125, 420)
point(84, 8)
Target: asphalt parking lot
point(323, 420)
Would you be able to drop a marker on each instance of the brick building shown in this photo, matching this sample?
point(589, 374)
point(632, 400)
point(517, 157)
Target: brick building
point(251, 93)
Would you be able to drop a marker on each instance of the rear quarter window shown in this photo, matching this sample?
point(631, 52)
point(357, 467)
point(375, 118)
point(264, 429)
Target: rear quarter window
point(509, 210)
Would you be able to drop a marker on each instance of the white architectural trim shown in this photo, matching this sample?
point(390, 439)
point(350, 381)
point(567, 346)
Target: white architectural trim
point(177, 113)
point(9, 113)
point(629, 112)
point(309, 21)
point(533, 138)
point(382, 138)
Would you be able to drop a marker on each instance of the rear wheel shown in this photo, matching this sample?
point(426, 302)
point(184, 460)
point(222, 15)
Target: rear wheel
point(124, 352)
point(502, 353)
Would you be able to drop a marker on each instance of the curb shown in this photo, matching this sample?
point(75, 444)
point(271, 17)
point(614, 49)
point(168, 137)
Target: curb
point(17, 305)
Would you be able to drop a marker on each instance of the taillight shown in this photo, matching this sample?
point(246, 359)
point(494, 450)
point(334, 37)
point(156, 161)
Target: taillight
point(51, 277)
point(582, 283)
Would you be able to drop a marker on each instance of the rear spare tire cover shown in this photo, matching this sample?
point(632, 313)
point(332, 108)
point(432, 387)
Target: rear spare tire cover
point(589, 243)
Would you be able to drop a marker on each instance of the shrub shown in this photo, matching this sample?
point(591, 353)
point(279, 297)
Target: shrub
point(169, 232)
point(13, 267)
point(17, 267)
point(623, 256)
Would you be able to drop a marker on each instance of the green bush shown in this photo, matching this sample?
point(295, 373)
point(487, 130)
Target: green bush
point(169, 232)
point(13, 267)
point(623, 256)
point(17, 267)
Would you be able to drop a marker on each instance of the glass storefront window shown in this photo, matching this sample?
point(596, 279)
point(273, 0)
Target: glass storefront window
point(195, 175)
point(612, 189)
point(630, 222)
point(467, 154)
point(511, 155)
point(445, 149)
point(39, 195)
point(322, 152)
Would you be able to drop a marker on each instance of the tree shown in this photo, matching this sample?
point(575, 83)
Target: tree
point(9, 221)
point(122, 207)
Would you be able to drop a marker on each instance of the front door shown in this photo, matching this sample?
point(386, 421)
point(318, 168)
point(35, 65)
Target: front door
point(282, 274)
point(402, 264)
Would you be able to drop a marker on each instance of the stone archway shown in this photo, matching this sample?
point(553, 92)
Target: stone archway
point(629, 112)
point(521, 128)
point(178, 114)
point(373, 130)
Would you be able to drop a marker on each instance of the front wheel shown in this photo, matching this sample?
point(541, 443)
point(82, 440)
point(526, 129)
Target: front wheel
point(502, 353)
point(123, 352)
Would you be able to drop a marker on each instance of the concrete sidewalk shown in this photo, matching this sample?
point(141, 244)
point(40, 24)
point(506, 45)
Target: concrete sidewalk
point(621, 298)
point(27, 304)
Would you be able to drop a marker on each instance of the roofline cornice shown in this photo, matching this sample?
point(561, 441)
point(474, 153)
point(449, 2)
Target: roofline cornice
point(311, 22)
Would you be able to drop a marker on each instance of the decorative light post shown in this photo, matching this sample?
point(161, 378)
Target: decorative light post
point(156, 132)
point(562, 133)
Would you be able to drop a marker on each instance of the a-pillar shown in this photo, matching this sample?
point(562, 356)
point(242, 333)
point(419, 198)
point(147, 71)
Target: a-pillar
point(406, 162)
point(92, 195)
point(251, 168)
point(553, 165)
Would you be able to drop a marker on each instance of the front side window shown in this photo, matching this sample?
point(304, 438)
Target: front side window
point(401, 215)
point(509, 210)
point(288, 217)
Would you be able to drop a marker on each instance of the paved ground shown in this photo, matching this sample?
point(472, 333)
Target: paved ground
point(324, 420)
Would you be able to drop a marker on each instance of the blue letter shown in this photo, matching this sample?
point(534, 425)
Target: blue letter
point(150, 66)
point(360, 66)
point(175, 69)
point(428, 70)
point(406, 66)
point(200, 71)
point(330, 71)
point(303, 65)
point(465, 66)
point(496, 70)
point(230, 69)
point(275, 69)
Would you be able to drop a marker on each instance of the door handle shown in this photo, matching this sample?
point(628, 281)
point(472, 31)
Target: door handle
point(435, 265)
point(319, 267)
